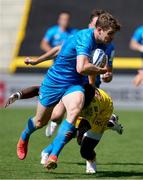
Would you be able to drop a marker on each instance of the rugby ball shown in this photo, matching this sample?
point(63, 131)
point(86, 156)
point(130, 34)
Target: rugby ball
point(99, 58)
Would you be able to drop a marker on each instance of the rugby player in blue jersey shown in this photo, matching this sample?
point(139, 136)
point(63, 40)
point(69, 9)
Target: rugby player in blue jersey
point(64, 82)
point(56, 35)
point(107, 77)
point(136, 44)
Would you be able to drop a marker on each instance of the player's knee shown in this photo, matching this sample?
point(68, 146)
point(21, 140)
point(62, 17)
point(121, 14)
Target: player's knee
point(56, 118)
point(73, 112)
point(40, 124)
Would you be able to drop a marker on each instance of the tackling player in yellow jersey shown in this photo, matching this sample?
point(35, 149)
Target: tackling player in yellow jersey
point(97, 114)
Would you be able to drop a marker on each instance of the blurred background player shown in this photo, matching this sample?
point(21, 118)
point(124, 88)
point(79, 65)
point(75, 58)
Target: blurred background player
point(57, 34)
point(136, 44)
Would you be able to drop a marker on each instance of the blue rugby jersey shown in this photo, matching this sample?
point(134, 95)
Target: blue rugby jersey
point(55, 36)
point(138, 36)
point(63, 70)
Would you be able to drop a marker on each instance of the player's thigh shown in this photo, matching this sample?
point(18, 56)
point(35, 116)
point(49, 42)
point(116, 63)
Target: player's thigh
point(58, 112)
point(43, 114)
point(73, 103)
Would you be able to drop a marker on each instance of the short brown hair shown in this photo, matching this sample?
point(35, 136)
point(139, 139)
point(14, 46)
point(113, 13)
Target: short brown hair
point(107, 21)
point(96, 13)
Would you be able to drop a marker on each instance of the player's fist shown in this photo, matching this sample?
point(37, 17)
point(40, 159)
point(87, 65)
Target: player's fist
point(30, 61)
point(107, 77)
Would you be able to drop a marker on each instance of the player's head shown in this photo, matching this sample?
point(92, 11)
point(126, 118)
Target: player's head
point(106, 27)
point(94, 16)
point(64, 19)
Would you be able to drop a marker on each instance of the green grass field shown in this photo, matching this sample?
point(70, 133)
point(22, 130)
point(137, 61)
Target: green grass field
point(118, 156)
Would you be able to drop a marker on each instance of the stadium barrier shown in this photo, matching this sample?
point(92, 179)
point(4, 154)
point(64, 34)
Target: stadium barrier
point(121, 89)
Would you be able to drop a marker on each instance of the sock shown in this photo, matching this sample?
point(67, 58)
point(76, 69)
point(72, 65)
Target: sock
point(48, 149)
point(64, 135)
point(30, 128)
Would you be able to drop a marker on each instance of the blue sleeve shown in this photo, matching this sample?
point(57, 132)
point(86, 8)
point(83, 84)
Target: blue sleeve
point(110, 52)
point(83, 45)
point(49, 34)
point(137, 35)
point(74, 31)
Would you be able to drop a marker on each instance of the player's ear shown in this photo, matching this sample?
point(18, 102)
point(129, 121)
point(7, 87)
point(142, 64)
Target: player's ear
point(89, 25)
point(99, 29)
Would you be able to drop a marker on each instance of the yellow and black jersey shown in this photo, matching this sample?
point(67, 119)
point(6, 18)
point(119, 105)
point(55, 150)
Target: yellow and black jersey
point(99, 111)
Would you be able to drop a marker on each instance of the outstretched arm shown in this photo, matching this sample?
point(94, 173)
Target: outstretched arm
point(47, 56)
point(26, 93)
point(45, 46)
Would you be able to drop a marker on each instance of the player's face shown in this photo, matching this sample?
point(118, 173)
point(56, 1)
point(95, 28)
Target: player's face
point(64, 20)
point(105, 36)
point(93, 22)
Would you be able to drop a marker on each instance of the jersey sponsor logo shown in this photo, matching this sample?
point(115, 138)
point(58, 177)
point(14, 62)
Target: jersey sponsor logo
point(98, 123)
point(57, 36)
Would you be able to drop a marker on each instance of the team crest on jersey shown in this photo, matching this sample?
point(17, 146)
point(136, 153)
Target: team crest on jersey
point(57, 36)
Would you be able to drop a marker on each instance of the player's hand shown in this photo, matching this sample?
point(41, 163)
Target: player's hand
point(11, 99)
point(138, 78)
point(30, 61)
point(107, 77)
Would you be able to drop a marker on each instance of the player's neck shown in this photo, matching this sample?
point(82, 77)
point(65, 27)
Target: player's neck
point(96, 37)
point(63, 28)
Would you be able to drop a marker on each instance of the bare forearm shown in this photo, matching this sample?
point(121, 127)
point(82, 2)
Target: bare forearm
point(85, 68)
point(90, 69)
point(23, 94)
point(136, 46)
point(45, 46)
point(49, 55)
point(29, 92)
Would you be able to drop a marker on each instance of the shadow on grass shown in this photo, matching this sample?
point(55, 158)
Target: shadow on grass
point(110, 163)
point(99, 174)
point(119, 174)
point(122, 163)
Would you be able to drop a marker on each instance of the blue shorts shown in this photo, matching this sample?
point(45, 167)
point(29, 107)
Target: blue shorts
point(51, 94)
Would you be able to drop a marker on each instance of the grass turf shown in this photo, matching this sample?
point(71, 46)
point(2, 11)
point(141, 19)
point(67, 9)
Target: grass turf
point(117, 156)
